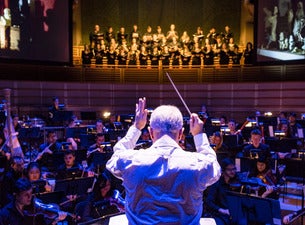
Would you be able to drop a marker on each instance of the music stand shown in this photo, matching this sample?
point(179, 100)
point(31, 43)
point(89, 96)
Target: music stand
point(38, 186)
point(78, 186)
point(246, 164)
point(87, 140)
point(69, 173)
point(58, 158)
point(100, 159)
point(246, 209)
point(52, 197)
point(230, 140)
point(287, 144)
point(267, 121)
point(75, 132)
point(80, 155)
point(114, 134)
point(61, 117)
point(31, 136)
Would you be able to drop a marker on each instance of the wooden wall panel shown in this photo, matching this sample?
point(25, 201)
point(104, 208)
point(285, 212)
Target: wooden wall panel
point(235, 100)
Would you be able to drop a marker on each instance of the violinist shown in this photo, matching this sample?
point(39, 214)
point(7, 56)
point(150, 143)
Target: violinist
point(216, 201)
point(102, 201)
point(18, 210)
point(256, 148)
point(267, 180)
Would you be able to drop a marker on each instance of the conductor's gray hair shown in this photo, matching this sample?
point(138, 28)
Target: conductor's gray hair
point(166, 119)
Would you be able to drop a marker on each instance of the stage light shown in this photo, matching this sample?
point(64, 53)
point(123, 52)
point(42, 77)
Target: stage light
point(268, 113)
point(106, 114)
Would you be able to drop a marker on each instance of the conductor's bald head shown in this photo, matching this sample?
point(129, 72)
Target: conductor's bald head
point(166, 119)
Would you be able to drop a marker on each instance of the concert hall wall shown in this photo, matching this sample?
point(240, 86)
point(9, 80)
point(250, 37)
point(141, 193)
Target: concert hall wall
point(235, 100)
point(187, 15)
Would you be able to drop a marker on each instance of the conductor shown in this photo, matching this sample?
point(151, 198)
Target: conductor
point(164, 183)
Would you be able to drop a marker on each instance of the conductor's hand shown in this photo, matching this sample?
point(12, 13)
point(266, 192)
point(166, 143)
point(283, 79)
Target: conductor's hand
point(196, 124)
point(141, 114)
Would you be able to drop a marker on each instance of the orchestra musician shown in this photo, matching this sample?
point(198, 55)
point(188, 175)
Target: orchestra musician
point(10, 177)
point(267, 181)
point(73, 122)
point(216, 200)
point(46, 150)
point(101, 150)
point(4, 148)
point(256, 148)
point(102, 201)
point(33, 173)
point(17, 211)
point(53, 109)
point(293, 125)
point(221, 149)
point(70, 168)
point(100, 127)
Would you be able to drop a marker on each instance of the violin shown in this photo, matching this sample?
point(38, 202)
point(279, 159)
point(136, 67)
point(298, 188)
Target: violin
point(266, 180)
point(49, 211)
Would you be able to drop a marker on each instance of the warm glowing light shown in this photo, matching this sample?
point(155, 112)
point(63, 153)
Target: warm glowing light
point(268, 114)
point(106, 114)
